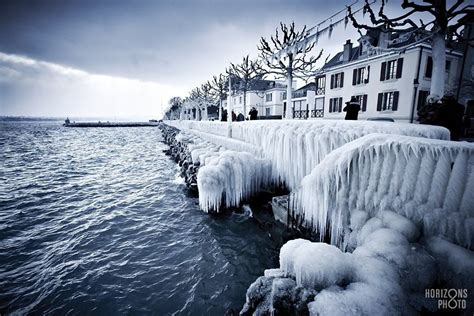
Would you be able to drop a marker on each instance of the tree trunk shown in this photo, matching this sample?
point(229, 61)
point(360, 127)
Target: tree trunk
point(439, 65)
point(245, 104)
point(204, 113)
point(229, 110)
point(289, 108)
point(220, 109)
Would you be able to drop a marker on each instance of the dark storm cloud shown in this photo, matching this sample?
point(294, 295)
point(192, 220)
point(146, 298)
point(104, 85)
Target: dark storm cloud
point(180, 42)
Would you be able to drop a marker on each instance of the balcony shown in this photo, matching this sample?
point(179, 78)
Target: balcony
point(300, 94)
point(304, 114)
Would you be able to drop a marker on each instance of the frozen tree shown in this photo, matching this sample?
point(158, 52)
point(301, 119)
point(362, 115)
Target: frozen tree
point(247, 74)
point(207, 98)
point(174, 108)
point(219, 88)
point(295, 63)
point(195, 100)
point(444, 25)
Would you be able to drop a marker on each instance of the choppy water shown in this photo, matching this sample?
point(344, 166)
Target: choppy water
point(96, 221)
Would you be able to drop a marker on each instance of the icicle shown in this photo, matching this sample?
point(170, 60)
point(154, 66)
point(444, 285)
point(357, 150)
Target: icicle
point(456, 183)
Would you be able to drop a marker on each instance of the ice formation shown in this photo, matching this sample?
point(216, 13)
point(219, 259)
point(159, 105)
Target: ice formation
point(386, 274)
point(228, 176)
point(232, 175)
point(296, 147)
point(429, 182)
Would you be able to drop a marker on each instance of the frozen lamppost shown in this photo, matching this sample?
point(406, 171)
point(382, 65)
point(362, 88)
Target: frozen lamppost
point(229, 109)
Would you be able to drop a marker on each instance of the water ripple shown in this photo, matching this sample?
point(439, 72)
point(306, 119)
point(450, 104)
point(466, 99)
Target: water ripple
point(96, 221)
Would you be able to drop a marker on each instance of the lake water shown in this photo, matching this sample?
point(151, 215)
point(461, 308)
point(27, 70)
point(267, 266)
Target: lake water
point(97, 221)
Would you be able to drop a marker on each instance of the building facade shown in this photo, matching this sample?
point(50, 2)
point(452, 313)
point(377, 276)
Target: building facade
point(390, 84)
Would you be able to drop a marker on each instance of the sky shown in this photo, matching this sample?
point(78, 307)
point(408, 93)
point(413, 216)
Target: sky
point(117, 58)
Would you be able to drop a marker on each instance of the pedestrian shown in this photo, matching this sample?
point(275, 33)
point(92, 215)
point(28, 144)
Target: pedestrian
point(253, 114)
point(234, 117)
point(224, 116)
point(429, 113)
point(450, 115)
point(352, 109)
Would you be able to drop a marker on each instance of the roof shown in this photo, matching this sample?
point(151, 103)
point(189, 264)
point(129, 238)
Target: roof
point(308, 86)
point(396, 41)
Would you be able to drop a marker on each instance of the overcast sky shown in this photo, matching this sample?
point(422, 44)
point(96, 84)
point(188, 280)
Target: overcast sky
point(125, 58)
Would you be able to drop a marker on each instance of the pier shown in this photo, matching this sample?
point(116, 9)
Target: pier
point(111, 124)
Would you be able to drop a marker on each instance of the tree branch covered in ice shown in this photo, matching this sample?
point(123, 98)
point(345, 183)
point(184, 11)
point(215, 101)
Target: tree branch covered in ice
point(444, 25)
point(219, 90)
point(296, 64)
point(245, 76)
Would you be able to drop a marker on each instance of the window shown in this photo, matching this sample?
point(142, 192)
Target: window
point(268, 111)
point(337, 80)
point(391, 69)
point(240, 100)
point(388, 101)
point(335, 105)
point(320, 85)
point(319, 104)
point(429, 67)
point(362, 100)
point(282, 96)
point(268, 97)
point(298, 105)
point(360, 75)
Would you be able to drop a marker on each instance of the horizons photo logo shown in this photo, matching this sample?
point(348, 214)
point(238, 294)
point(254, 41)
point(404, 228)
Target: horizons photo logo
point(448, 298)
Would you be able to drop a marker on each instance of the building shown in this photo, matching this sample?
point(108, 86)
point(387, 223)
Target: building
point(267, 96)
point(389, 76)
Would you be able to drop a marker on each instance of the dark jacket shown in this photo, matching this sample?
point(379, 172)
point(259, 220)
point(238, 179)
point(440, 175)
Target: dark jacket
point(352, 110)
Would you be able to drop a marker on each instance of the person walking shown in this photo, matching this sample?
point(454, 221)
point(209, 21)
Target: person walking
point(352, 109)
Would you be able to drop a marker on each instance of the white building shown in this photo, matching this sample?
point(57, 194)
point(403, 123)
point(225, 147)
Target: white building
point(389, 82)
point(267, 97)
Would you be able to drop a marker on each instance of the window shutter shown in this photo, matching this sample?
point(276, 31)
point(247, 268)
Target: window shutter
point(364, 102)
point(340, 104)
point(332, 81)
point(342, 79)
point(354, 77)
point(383, 71)
point(316, 83)
point(330, 105)
point(368, 74)
point(429, 67)
point(399, 67)
point(395, 100)
point(379, 102)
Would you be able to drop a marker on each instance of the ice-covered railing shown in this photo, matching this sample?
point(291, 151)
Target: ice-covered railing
point(231, 176)
point(225, 175)
point(430, 182)
point(296, 147)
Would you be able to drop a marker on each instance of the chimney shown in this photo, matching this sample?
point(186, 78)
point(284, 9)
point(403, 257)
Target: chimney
point(346, 55)
point(383, 39)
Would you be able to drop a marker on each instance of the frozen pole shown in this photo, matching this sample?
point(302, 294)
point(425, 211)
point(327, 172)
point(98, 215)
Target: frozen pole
point(229, 110)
